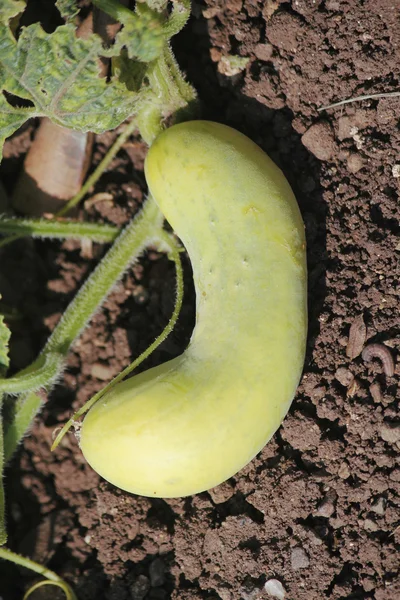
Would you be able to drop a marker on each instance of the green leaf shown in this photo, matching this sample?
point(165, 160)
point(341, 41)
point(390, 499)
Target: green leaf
point(129, 72)
point(68, 9)
point(11, 119)
point(60, 74)
point(10, 9)
point(142, 35)
point(4, 338)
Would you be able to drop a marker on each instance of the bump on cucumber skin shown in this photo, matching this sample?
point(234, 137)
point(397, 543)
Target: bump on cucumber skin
point(191, 423)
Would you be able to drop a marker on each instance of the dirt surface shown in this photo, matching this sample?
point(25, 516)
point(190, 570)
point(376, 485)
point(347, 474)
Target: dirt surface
point(318, 510)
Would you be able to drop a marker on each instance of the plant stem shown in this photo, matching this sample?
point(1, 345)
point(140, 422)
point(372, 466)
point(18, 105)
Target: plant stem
point(24, 411)
point(168, 84)
point(47, 371)
point(178, 19)
point(141, 231)
point(7, 554)
point(67, 229)
point(145, 229)
point(149, 119)
point(102, 166)
point(174, 254)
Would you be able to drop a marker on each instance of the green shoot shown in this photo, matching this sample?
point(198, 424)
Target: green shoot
point(53, 578)
point(52, 229)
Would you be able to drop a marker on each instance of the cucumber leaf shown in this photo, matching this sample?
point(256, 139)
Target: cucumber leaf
point(142, 34)
point(59, 75)
point(11, 119)
point(10, 9)
point(68, 9)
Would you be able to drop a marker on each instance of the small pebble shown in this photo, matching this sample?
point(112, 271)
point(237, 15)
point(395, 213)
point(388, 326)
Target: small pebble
point(332, 5)
point(344, 376)
point(344, 471)
point(390, 432)
point(222, 493)
point(299, 558)
point(264, 52)
point(274, 588)
point(327, 506)
point(157, 572)
point(379, 506)
point(320, 141)
point(396, 171)
point(101, 372)
point(354, 163)
point(370, 525)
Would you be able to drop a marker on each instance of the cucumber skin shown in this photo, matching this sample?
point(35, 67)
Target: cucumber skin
point(193, 422)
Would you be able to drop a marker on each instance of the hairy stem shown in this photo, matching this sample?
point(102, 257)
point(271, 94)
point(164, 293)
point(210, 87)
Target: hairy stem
point(33, 566)
point(174, 254)
point(145, 229)
point(149, 120)
point(44, 375)
point(167, 82)
point(141, 231)
point(178, 19)
point(68, 229)
point(24, 411)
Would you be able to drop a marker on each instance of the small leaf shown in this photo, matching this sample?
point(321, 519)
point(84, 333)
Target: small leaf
point(10, 9)
point(68, 9)
point(129, 72)
point(4, 338)
point(11, 119)
point(142, 35)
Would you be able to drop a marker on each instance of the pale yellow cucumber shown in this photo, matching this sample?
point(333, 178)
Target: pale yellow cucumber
point(193, 422)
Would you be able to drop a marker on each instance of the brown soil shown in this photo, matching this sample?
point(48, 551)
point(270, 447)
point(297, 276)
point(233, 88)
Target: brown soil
point(318, 509)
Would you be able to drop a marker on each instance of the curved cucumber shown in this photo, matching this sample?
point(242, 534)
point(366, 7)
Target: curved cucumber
point(191, 423)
